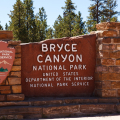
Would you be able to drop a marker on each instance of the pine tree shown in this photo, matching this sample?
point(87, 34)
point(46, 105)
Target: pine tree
point(29, 20)
point(79, 26)
point(71, 24)
point(41, 23)
point(101, 11)
point(96, 9)
point(1, 28)
point(91, 23)
point(49, 34)
point(59, 30)
point(95, 13)
point(69, 11)
point(34, 31)
point(109, 12)
point(6, 26)
point(17, 23)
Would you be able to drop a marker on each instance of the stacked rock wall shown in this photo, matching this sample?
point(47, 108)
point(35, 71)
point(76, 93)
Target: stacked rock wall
point(107, 81)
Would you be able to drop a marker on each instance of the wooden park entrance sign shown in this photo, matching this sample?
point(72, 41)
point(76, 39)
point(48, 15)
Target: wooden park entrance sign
point(59, 67)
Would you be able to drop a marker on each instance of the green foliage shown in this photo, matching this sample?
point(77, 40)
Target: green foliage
point(71, 24)
point(59, 28)
point(41, 23)
point(91, 23)
point(95, 13)
point(49, 34)
point(17, 23)
point(114, 19)
point(101, 11)
point(29, 20)
point(6, 26)
point(79, 26)
point(26, 26)
point(96, 9)
point(69, 11)
point(109, 12)
point(1, 28)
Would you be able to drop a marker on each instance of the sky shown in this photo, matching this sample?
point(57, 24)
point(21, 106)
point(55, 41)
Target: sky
point(52, 8)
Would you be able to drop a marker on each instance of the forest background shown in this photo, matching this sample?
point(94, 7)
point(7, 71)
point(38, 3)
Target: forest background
point(30, 27)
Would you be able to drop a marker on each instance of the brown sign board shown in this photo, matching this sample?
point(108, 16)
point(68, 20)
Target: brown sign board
point(59, 67)
point(7, 56)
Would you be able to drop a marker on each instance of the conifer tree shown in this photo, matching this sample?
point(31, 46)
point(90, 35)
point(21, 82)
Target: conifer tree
point(6, 26)
point(79, 26)
point(49, 34)
point(17, 23)
point(95, 13)
point(59, 30)
point(34, 31)
point(41, 23)
point(109, 12)
point(1, 28)
point(71, 24)
point(96, 9)
point(101, 11)
point(29, 20)
point(69, 11)
point(91, 23)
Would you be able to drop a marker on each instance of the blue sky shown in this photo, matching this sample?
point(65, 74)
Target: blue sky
point(52, 8)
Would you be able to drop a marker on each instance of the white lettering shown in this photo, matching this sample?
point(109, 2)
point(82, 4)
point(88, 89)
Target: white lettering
point(73, 58)
point(64, 58)
point(79, 58)
point(38, 58)
point(55, 58)
point(67, 50)
point(44, 48)
point(60, 47)
point(74, 48)
point(35, 68)
point(48, 59)
point(52, 47)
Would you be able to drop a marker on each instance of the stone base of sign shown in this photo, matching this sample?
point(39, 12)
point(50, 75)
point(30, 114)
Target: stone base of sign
point(107, 81)
point(58, 107)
